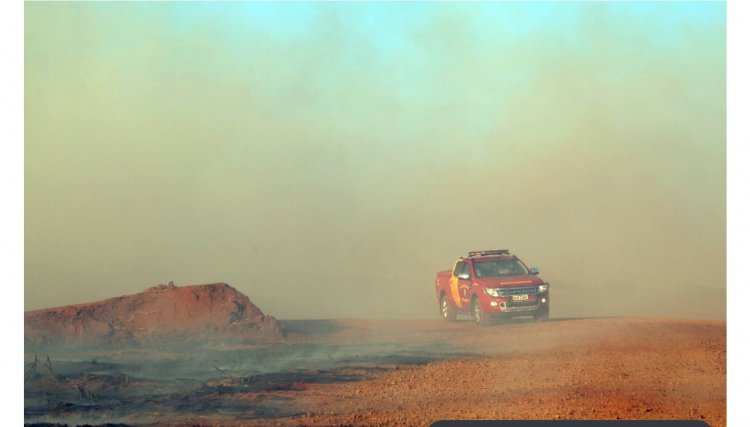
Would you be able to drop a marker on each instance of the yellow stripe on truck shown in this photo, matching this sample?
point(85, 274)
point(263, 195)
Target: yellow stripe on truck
point(454, 287)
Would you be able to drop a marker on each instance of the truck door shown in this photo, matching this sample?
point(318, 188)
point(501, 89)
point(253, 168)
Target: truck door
point(461, 284)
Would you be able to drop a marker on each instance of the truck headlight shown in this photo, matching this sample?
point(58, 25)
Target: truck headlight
point(496, 292)
point(543, 288)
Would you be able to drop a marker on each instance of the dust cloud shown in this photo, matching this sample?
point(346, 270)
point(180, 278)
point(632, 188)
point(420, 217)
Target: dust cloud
point(328, 159)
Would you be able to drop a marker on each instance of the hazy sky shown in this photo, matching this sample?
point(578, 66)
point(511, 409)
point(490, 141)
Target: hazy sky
point(328, 159)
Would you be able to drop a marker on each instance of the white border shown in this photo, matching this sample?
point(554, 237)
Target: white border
point(11, 177)
point(738, 211)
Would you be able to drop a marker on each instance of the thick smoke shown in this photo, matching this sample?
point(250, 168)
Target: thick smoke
point(328, 163)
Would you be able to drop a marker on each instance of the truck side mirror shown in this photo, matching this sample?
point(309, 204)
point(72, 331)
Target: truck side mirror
point(534, 271)
point(464, 276)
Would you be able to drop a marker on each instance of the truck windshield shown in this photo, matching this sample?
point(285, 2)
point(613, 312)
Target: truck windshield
point(499, 267)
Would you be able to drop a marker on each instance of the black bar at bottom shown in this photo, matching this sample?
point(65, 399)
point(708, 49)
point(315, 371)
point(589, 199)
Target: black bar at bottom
point(569, 423)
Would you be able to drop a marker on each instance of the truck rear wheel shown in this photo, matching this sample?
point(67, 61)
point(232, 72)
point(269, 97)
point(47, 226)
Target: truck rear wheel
point(480, 317)
point(446, 311)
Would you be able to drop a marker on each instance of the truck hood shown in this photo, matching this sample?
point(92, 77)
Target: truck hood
point(510, 281)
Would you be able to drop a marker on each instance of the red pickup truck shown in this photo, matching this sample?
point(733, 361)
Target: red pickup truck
point(491, 284)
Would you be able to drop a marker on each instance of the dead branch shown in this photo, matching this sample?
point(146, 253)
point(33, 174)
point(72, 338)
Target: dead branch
point(48, 365)
point(84, 393)
point(32, 367)
point(218, 369)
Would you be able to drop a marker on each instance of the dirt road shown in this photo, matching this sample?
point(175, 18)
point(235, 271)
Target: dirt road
point(406, 372)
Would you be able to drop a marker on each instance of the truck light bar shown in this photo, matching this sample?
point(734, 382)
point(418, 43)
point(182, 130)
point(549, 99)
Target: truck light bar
point(490, 252)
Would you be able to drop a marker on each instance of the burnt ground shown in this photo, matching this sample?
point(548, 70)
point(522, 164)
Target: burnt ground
point(396, 372)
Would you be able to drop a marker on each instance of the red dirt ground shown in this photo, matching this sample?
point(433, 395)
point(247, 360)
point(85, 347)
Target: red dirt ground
point(359, 372)
point(612, 368)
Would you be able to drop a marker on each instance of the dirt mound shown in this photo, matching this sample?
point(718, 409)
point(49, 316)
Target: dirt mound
point(205, 312)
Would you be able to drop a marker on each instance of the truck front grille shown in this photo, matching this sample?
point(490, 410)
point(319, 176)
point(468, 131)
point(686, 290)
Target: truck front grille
point(524, 290)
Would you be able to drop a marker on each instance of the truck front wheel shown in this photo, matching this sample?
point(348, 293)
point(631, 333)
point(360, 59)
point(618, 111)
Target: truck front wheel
point(541, 316)
point(446, 311)
point(480, 317)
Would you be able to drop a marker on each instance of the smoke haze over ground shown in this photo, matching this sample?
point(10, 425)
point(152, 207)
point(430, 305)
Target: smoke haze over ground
point(394, 372)
point(328, 159)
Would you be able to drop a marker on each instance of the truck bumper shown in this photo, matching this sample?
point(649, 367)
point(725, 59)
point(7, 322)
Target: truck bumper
point(504, 308)
point(501, 307)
